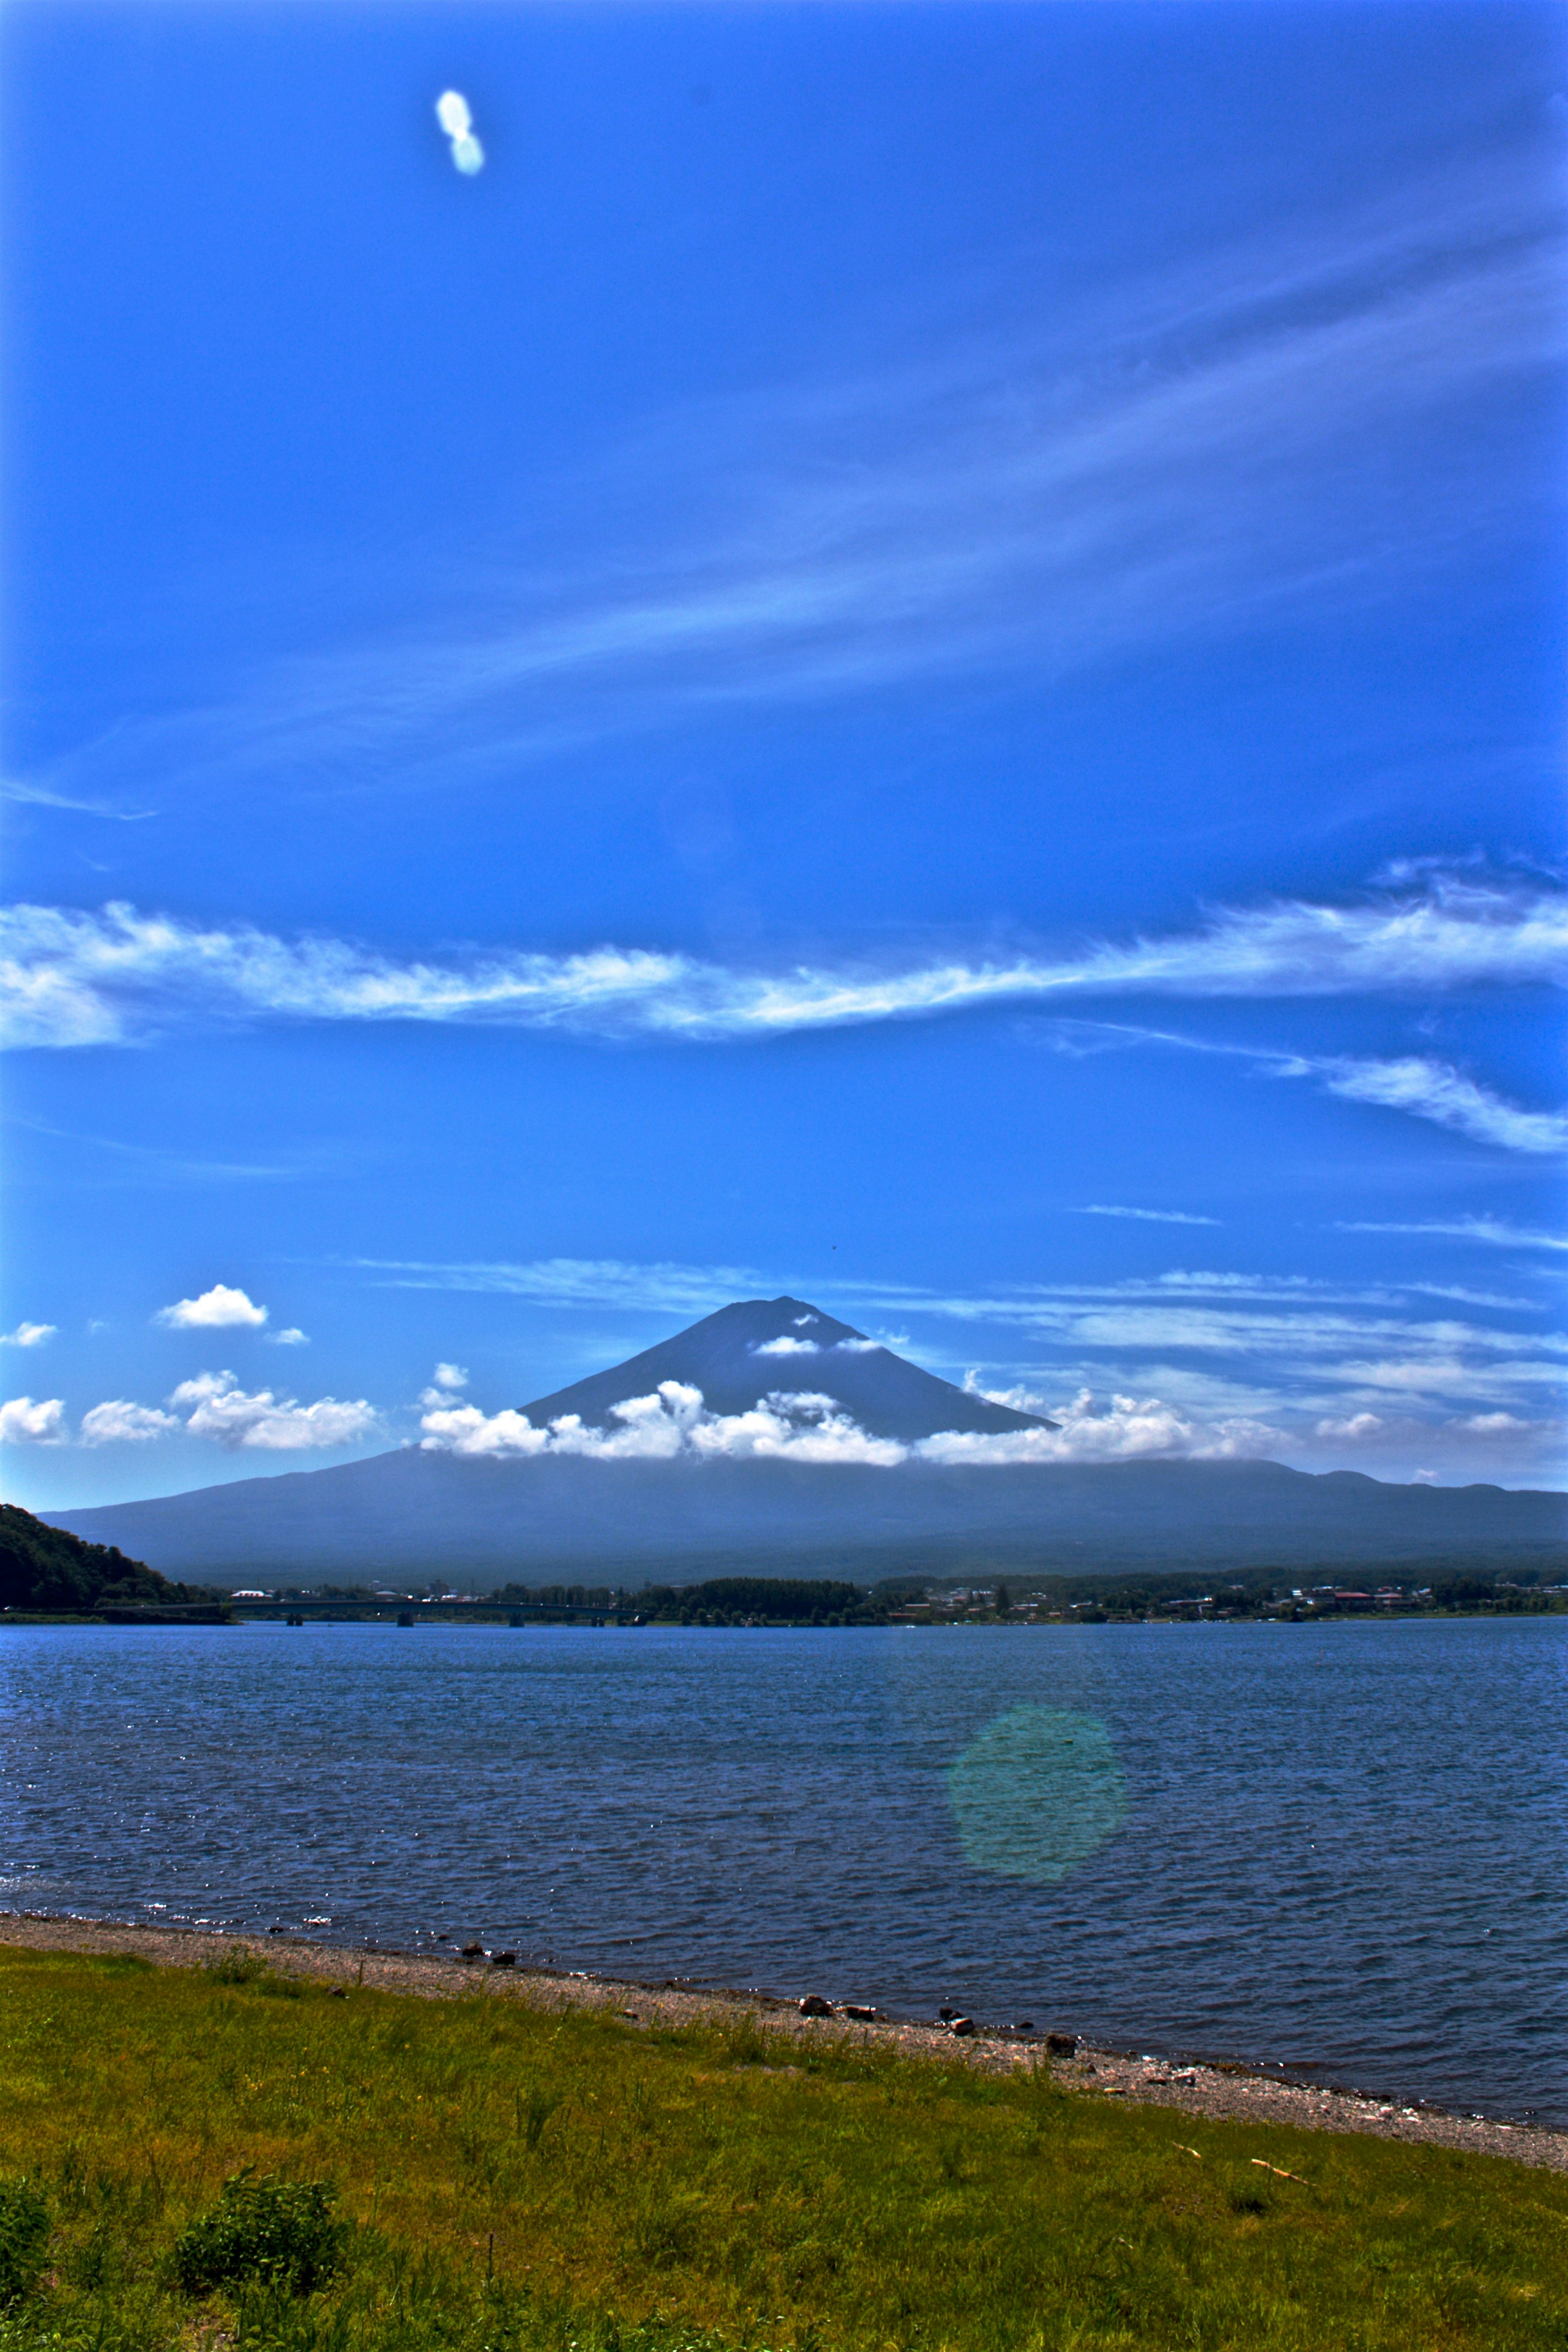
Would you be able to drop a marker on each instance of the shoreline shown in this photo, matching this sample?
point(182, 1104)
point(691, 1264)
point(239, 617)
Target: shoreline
point(1223, 2089)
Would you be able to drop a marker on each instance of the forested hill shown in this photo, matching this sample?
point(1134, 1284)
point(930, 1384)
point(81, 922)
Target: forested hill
point(46, 1569)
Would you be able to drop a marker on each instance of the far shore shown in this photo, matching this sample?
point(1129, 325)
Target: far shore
point(1215, 2088)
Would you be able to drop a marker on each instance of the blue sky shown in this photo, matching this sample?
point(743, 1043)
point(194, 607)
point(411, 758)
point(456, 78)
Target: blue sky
point(912, 653)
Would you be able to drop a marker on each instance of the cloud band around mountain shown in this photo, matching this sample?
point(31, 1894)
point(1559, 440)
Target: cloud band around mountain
point(674, 1424)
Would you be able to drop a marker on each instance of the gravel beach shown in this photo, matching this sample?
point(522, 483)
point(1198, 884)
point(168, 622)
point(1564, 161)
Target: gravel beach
point(1233, 2091)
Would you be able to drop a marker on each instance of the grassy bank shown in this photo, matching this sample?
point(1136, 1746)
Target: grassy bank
point(499, 2180)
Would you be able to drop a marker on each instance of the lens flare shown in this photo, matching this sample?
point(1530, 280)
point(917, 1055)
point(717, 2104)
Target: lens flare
point(1035, 1793)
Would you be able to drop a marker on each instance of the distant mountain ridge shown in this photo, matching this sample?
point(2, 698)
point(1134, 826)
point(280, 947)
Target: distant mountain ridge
point(759, 1345)
point(489, 1518)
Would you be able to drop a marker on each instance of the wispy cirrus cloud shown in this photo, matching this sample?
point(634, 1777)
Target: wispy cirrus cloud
point(1419, 1085)
point(153, 1163)
point(1301, 1325)
point(73, 977)
point(41, 796)
point(1146, 1216)
point(1276, 1351)
point(1497, 1231)
point(661, 1288)
point(656, 1289)
point(1186, 455)
point(1434, 1090)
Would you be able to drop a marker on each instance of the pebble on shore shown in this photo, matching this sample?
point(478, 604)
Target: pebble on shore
point(1226, 2091)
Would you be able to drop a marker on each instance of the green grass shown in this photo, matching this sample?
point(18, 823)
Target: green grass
point(499, 2180)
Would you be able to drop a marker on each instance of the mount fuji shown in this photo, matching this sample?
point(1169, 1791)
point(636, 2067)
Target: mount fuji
point(784, 1348)
point(770, 1437)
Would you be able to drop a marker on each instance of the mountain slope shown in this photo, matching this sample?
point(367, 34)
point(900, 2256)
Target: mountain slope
point(482, 1521)
point(485, 1518)
point(758, 1345)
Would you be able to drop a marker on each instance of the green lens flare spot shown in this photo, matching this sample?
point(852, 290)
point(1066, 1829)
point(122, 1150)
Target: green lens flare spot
point(1037, 1792)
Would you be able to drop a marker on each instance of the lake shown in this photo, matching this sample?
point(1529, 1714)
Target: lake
point(1337, 1848)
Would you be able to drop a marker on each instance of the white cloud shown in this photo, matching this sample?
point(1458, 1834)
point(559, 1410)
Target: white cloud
point(452, 114)
point(1418, 1085)
point(1386, 1429)
point(1127, 1429)
point(120, 1422)
point(28, 1335)
point(215, 1310)
point(800, 1426)
point(785, 1346)
point(220, 1409)
point(23, 1423)
point(859, 1346)
point(1485, 1442)
point(674, 1423)
point(292, 1337)
point(671, 1422)
point(1148, 1216)
point(451, 1376)
point(1436, 1091)
point(1210, 1278)
point(464, 1429)
point(1496, 1231)
point(70, 978)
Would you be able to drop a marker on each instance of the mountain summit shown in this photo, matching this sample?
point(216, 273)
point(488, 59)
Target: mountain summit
point(762, 1347)
point(550, 1509)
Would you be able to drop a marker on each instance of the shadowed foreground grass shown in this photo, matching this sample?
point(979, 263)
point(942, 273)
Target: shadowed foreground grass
point(500, 2179)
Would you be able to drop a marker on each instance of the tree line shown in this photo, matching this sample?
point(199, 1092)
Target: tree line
point(48, 1571)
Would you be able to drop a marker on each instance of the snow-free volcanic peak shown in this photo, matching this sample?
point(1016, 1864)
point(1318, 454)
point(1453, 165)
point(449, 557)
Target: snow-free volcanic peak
point(761, 1346)
point(601, 1518)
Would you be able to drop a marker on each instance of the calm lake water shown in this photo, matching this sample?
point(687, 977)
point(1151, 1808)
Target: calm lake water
point(1339, 1848)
